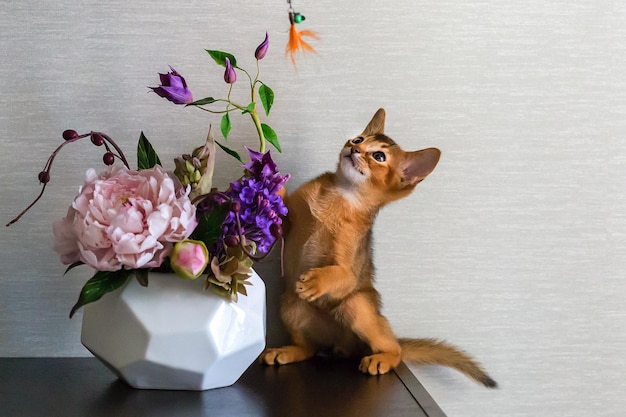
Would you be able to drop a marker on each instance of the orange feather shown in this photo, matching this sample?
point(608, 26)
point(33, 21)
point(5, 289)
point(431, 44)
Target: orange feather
point(296, 42)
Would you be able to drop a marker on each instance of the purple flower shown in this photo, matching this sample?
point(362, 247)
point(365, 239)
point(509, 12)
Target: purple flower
point(261, 50)
point(174, 88)
point(230, 76)
point(259, 206)
point(263, 167)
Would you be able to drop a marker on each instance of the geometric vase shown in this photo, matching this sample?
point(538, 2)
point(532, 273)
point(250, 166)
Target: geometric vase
point(173, 335)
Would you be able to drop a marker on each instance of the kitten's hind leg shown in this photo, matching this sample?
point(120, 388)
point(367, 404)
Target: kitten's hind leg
point(363, 317)
point(286, 354)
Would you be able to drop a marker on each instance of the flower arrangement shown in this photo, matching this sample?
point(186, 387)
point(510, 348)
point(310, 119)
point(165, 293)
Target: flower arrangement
point(127, 222)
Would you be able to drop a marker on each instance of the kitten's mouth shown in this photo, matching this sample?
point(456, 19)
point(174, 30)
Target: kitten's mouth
point(354, 164)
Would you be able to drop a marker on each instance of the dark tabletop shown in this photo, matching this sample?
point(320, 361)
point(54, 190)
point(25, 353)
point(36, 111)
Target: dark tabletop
point(320, 387)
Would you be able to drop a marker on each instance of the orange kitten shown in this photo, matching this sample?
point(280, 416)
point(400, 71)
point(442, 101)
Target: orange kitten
point(330, 302)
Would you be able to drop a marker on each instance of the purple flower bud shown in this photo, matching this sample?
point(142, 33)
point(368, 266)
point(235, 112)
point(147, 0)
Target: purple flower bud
point(230, 76)
point(261, 50)
point(174, 88)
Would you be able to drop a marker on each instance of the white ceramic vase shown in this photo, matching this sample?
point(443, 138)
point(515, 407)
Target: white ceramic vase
point(174, 335)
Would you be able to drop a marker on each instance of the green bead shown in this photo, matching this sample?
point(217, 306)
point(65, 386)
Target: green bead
point(298, 18)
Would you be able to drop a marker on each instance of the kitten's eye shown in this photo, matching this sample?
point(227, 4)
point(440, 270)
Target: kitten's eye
point(357, 140)
point(379, 156)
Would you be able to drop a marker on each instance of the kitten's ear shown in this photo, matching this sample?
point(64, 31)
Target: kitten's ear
point(417, 165)
point(376, 125)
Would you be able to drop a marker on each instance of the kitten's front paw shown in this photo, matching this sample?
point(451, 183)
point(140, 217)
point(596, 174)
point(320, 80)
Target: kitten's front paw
point(271, 357)
point(379, 364)
point(309, 286)
point(285, 355)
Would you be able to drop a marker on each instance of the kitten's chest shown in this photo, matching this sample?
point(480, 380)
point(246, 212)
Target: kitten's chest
point(333, 225)
point(323, 222)
point(317, 238)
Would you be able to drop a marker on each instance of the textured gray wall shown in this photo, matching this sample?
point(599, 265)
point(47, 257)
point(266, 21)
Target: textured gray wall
point(513, 248)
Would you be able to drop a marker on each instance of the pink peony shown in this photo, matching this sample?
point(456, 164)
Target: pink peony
point(125, 219)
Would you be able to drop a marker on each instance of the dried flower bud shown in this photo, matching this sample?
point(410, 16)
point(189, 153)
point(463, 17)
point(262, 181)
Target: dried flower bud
point(189, 166)
point(235, 207)
point(197, 169)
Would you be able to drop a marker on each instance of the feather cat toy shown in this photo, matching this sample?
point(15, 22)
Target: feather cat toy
point(296, 41)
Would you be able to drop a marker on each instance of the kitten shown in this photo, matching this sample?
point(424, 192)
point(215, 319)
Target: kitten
point(330, 302)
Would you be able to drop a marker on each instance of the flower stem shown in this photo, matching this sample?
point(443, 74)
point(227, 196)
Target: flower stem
point(120, 154)
point(259, 129)
point(19, 216)
point(48, 166)
point(47, 169)
point(213, 111)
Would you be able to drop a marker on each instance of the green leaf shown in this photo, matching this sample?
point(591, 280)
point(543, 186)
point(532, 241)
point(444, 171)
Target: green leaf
point(250, 108)
point(218, 57)
point(146, 156)
point(100, 284)
point(210, 224)
point(225, 126)
point(270, 136)
point(202, 102)
point(229, 151)
point(267, 98)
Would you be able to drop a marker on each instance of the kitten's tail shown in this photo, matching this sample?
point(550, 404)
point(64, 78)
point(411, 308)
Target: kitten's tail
point(437, 352)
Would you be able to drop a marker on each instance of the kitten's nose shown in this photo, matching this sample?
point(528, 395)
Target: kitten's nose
point(355, 150)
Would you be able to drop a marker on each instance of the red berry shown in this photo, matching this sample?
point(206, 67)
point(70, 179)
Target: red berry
point(44, 177)
point(70, 134)
point(231, 240)
point(108, 158)
point(97, 139)
point(276, 230)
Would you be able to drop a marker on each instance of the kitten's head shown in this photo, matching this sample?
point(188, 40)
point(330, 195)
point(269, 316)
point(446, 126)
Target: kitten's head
point(375, 165)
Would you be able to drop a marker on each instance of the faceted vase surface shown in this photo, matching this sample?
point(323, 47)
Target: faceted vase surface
point(173, 335)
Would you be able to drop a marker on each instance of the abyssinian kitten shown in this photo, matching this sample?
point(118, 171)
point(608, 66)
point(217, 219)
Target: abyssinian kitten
point(330, 303)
